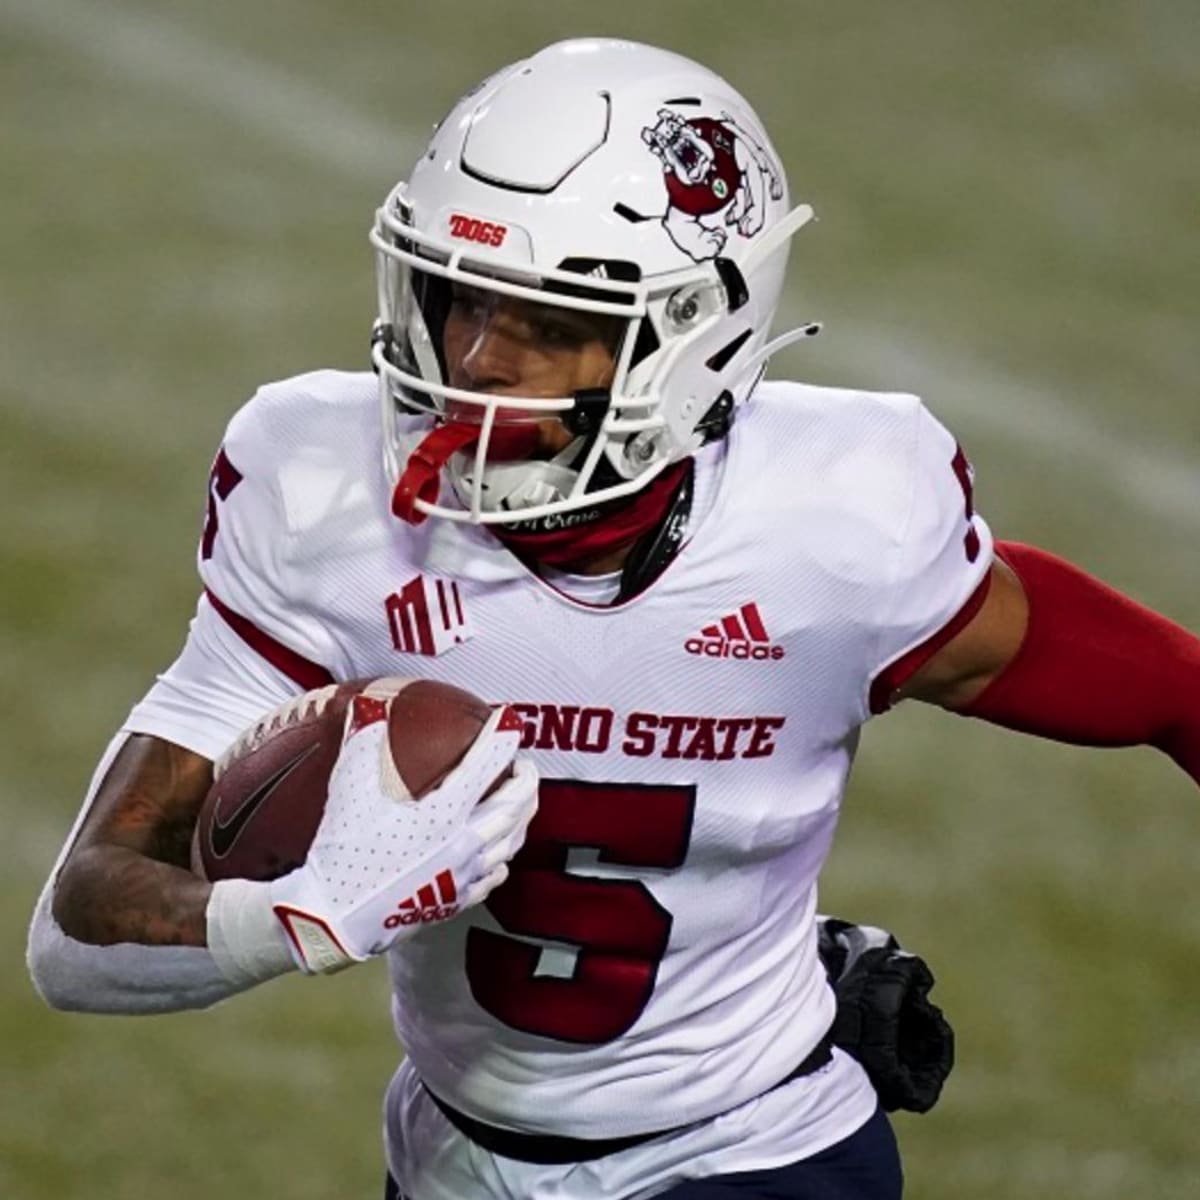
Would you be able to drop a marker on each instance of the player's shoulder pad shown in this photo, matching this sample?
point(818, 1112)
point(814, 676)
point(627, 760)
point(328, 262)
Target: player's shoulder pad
point(941, 525)
point(301, 439)
point(285, 417)
point(841, 456)
point(287, 484)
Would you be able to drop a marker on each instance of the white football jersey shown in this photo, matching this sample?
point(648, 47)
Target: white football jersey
point(652, 958)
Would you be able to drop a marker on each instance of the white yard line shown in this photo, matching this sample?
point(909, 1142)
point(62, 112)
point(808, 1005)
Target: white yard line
point(311, 123)
point(285, 109)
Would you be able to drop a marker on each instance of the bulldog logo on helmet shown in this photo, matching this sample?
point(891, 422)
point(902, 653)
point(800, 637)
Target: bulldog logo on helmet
point(718, 177)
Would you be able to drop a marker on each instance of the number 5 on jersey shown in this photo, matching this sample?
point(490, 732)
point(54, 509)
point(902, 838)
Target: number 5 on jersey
point(618, 927)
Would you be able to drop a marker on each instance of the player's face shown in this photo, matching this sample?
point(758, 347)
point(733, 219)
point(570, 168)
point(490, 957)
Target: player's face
point(507, 346)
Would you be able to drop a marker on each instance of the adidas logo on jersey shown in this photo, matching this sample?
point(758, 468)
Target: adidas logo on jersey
point(427, 905)
point(739, 635)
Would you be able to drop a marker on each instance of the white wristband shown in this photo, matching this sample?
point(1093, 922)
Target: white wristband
point(245, 937)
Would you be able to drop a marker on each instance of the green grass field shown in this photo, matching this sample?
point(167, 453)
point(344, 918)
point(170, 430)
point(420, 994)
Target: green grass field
point(1008, 200)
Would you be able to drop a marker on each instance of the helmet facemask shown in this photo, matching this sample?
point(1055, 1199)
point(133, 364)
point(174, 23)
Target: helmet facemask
point(625, 433)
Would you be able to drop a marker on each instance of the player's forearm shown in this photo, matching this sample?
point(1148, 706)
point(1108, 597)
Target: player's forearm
point(133, 833)
point(1095, 668)
point(109, 894)
point(126, 877)
point(166, 944)
point(126, 978)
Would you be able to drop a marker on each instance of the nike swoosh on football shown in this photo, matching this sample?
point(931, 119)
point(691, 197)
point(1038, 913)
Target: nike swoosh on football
point(225, 833)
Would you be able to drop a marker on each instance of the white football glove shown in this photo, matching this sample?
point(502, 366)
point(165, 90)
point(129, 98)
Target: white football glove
point(382, 865)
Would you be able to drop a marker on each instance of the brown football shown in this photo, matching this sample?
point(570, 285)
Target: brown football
point(268, 793)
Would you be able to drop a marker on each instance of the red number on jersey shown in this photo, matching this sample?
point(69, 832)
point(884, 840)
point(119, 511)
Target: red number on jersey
point(223, 478)
point(962, 472)
point(619, 930)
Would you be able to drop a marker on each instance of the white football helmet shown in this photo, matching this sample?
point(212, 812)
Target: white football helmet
point(602, 177)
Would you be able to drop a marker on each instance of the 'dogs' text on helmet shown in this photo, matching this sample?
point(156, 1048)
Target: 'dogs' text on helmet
point(599, 177)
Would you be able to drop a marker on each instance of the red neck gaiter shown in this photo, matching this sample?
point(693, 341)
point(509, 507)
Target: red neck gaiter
point(587, 534)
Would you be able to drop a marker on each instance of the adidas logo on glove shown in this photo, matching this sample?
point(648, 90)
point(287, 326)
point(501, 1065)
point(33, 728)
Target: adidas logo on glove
point(426, 905)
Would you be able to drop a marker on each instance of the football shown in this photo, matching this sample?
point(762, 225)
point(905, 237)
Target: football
point(269, 787)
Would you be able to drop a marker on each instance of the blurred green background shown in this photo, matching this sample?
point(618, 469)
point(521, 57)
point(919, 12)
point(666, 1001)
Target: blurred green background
point(1008, 198)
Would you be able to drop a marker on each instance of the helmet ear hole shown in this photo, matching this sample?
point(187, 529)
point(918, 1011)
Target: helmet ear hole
point(646, 343)
point(735, 282)
point(720, 360)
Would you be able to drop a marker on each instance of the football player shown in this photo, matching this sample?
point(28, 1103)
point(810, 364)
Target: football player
point(567, 486)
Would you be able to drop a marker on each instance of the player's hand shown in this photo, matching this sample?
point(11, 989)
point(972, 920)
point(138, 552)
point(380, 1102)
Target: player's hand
point(382, 866)
point(885, 1018)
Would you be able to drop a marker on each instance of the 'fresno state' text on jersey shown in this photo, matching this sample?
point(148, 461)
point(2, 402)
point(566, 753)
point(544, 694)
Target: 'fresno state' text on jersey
point(661, 912)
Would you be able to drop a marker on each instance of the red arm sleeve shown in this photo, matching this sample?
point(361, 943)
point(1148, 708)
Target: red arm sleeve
point(1095, 668)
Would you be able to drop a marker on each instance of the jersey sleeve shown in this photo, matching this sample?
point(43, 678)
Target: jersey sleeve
point(938, 570)
point(253, 641)
point(249, 559)
point(215, 688)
